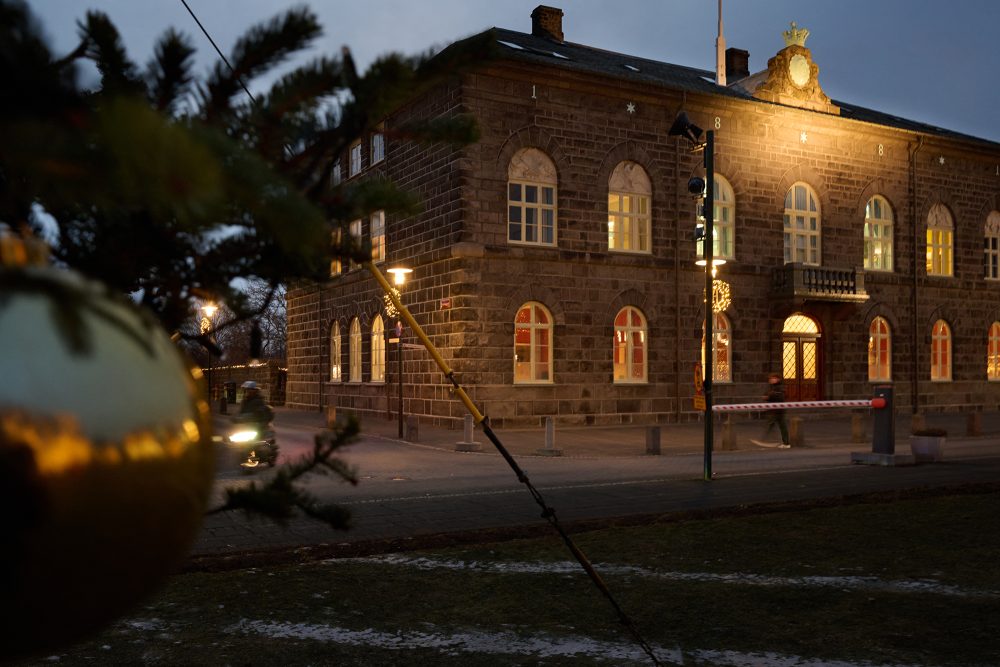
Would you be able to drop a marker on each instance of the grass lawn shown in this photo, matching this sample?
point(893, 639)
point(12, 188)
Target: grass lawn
point(908, 582)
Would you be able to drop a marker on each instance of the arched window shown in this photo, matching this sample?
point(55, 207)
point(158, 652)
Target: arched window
point(531, 198)
point(355, 351)
point(722, 370)
point(879, 351)
point(940, 241)
point(378, 350)
point(335, 360)
point(724, 220)
point(802, 225)
point(629, 192)
point(630, 346)
point(991, 246)
point(993, 353)
point(532, 344)
point(941, 352)
point(878, 234)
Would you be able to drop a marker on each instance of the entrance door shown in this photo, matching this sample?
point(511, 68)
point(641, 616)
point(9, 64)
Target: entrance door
point(800, 358)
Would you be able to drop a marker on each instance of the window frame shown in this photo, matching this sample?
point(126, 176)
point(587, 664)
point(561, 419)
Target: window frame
point(354, 345)
point(878, 235)
point(940, 242)
point(723, 230)
point(623, 341)
point(354, 229)
point(630, 202)
point(336, 360)
point(530, 169)
point(376, 228)
point(378, 359)
point(879, 356)
point(337, 175)
point(991, 246)
point(533, 327)
point(377, 147)
point(993, 353)
point(790, 234)
point(723, 340)
point(355, 163)
point(941, 352)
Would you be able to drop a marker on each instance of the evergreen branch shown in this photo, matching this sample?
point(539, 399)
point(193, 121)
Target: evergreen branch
point(169, 72)
point(105, 48)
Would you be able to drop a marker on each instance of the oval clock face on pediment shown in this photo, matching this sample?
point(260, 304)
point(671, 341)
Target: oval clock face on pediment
point(798, 70)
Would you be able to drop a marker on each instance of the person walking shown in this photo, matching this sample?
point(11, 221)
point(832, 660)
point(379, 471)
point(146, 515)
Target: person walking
point(775, 394)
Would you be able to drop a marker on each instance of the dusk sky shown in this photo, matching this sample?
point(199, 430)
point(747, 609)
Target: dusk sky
point(934, 62)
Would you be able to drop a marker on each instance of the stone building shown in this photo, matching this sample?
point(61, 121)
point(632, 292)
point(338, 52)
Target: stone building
point(554, 261)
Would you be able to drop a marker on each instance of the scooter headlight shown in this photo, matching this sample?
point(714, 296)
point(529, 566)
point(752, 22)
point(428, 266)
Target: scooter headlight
point(243, 436)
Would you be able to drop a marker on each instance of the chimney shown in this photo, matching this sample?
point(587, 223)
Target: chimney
point(737, 64)
point(547, 22)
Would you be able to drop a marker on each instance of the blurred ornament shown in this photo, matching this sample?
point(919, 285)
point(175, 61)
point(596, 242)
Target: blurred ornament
point(105, 456)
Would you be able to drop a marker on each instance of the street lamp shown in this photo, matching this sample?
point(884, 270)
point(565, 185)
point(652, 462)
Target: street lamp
point(399, 274)
point(682, 127)
point(206, 327)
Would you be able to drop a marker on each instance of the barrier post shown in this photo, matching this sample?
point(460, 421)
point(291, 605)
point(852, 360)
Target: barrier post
point(653, 440)
point(857, 429)
point(728, 436)
point(468, 443)
point(884, 424)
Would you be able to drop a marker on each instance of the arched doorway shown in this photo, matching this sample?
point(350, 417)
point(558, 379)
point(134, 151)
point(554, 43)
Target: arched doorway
point(800, 358)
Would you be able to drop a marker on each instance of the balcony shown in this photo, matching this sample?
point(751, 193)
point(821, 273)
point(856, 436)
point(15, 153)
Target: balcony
point(818, 283)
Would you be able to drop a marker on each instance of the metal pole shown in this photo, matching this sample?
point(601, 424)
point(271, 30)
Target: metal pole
point(210, 397)
point(709, 210)
point(399, 373)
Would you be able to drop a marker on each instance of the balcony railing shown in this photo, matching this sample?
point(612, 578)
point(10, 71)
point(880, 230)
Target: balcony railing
point(818, 283)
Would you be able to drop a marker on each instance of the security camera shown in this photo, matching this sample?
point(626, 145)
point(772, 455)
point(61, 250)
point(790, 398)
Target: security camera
point(696, 185)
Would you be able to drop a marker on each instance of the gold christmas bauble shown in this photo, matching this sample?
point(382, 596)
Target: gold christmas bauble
point(105, 457)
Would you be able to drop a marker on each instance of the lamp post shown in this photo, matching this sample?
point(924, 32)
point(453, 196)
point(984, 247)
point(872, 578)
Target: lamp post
point(685, 128)
point(206, 327)
point(399, 274)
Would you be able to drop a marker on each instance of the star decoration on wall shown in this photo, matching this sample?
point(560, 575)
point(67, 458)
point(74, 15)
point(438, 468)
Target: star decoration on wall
point(803, 137)
point(630, 107)
point(941, 159)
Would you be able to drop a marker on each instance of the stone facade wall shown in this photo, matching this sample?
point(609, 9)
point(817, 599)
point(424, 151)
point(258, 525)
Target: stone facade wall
point(458, 248)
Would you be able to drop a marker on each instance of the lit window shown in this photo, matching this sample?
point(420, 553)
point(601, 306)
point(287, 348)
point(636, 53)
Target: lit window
point(336, 176)
point(724, 219)
point(878, 235)
point(991, 246)
point(355, 166)
point(993, 353)
point(354, 229)
point(378, 350)
point(531, 198)
point(378, 236)
point(336, 265)
point(630, 346)
point(722, 370)
point(879, 351)
point(355, 350)
point(532, 345)
point(941, 352)
point(629, 192)
point(940, 242)
point(335, 359)
point(802, 225)
point(378, 147)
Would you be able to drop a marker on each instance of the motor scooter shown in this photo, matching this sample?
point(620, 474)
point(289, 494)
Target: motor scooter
point(254, 442)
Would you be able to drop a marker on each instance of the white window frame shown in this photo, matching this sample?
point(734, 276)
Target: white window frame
point(722, 369)
point(803, 226)
point(628, 336)
point(993, 353)
point(354, 229)
point(355, 350)
point(991, 246)
point(337, 176)
point(354, 167)
point(879, 364)
point(878, 235)
point(629, 209)
point(723, 221)
point(336, 369)
point(378, 350)
point(940, 242)
point(539, 337)
point(941, 352)
point(377, 147)
point(377, 231)
point(532, 196)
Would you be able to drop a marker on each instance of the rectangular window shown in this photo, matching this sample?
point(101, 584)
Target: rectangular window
point(378, 236)
point(336, 177)
point(628, 222)
point(939, 247)
point(992, 257)
point(531, 214)
point(355, 167)
point(378, 147)
point(355, 232)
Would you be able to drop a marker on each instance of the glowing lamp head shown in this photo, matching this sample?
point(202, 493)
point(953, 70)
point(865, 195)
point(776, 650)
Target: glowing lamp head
point(209, 309)
point(399, 274)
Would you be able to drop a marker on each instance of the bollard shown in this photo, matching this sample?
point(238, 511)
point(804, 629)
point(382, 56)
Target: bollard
point(974, 424)
point(468, 443)
point(550, 439)
point(857, 428)
point(728, 435)
point(918, 423)
point(223, 405)
point(796, 432)
point(653, 440)
point(412, 429)
point(331, 416)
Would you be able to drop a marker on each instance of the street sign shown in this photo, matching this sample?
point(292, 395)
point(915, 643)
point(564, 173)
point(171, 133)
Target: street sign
point(699, 388)
point(699, 403)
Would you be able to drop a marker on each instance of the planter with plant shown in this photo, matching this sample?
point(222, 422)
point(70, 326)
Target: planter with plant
point(927, 444)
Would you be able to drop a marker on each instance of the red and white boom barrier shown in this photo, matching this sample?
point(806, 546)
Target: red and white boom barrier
point(877, 403)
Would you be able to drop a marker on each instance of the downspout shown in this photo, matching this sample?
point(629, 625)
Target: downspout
point(677, 278)
point(914, 302)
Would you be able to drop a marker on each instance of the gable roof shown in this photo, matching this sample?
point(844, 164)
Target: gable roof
point(578, 57)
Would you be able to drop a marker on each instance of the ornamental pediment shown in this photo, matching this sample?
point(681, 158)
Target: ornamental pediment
point(793, 77)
